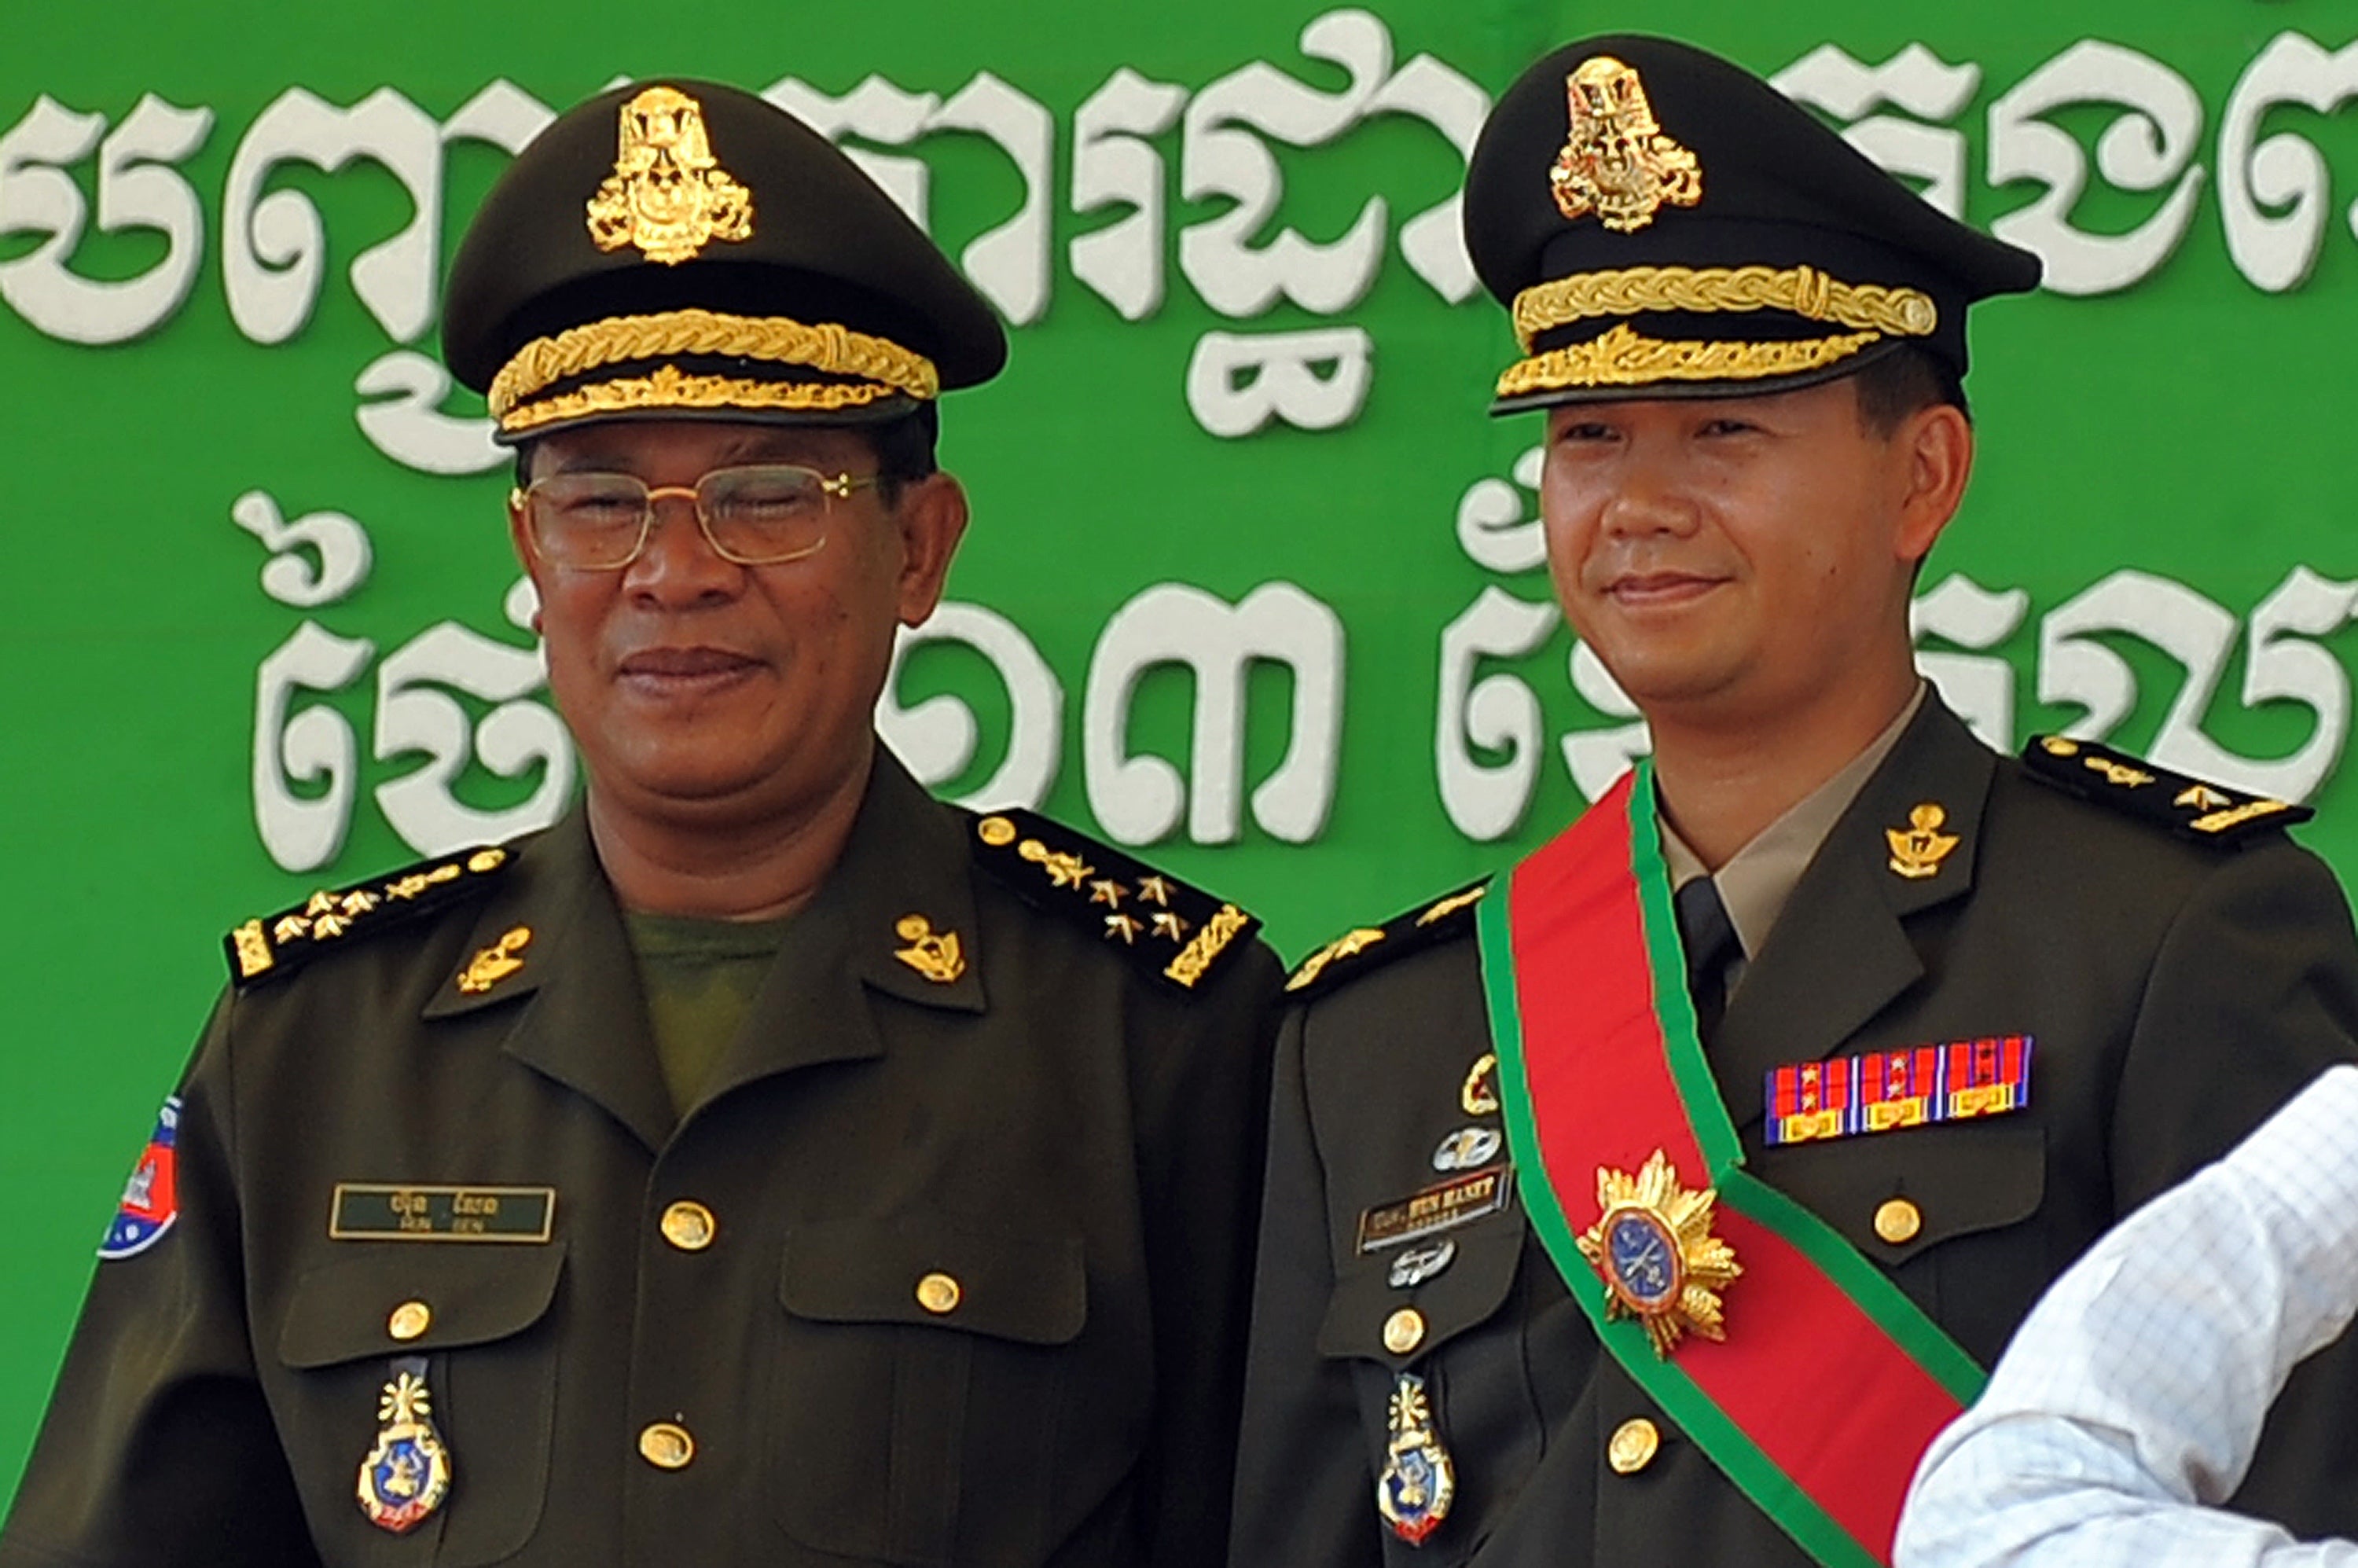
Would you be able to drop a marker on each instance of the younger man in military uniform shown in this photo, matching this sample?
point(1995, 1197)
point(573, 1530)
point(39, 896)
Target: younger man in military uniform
point(767, 1163)
point(1657, 1200)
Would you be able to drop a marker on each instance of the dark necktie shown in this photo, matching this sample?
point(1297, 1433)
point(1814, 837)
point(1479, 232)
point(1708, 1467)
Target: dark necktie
point(1709, 938)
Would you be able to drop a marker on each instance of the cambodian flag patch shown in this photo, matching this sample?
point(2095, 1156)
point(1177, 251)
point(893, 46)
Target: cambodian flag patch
point(150, 1199)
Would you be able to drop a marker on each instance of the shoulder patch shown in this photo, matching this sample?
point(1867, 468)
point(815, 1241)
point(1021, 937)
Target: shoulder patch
point(2189, 807)
point(1358, 951)
point(1177, 933)
point(275, 944)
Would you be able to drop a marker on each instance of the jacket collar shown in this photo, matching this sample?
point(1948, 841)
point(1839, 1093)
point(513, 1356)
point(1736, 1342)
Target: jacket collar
point(1841, 950)
point(581, 1020)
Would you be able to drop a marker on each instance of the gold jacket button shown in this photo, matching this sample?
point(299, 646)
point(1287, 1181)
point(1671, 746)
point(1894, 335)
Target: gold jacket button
point(1897, 1221)
point(666, 1446)
point(688, 1226)
point(939, 1294)
point(409, 1320)
point(1404, 1331)
point(1633, 1446)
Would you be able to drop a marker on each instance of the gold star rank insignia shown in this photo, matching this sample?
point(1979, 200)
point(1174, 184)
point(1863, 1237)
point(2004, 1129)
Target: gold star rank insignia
point(1654, 1248)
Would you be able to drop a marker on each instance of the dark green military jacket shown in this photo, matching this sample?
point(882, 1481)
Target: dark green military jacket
point(2176, 991)
point(968, 1285)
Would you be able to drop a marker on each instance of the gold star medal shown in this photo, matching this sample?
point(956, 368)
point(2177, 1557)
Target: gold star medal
point(1654, 1248)
point(407, 1474)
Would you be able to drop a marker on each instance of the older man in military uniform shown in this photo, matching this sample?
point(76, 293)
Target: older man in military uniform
point(767, 1163)
point(1657, 1200)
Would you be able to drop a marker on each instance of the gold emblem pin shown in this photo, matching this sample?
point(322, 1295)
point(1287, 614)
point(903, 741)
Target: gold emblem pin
point(1654, 1248)
point(2201, 797)
point(495, 963)
point(668, 195)
point(1917, 849)
point(1478, 1095)
point(1618, 164)
point(933, 954)
point(407, 1475)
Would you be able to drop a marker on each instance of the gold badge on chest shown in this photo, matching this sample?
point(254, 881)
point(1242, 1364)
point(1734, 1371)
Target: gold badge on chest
point(407, 1474)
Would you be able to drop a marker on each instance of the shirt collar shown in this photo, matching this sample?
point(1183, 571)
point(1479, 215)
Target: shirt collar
point(1759, 877)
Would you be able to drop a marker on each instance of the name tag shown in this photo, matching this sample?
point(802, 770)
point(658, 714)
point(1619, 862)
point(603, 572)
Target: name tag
point(369, 1211)
point(1436, 1208)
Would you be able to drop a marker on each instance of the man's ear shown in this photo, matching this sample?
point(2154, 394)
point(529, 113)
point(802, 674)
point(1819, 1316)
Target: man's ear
point(932, 513)
point(519, 541)
point(1934, 448)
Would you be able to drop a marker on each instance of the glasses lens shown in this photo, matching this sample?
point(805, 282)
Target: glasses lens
point(587, 519)
point(765, 513)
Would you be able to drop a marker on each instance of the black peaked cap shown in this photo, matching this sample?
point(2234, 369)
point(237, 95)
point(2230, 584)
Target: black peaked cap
point(1769, 186)
point(801, 235)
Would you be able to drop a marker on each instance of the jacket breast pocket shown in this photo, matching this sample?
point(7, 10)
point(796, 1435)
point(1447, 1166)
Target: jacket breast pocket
point(934, 1399)
point(477, 1317)
point(1949, 1211)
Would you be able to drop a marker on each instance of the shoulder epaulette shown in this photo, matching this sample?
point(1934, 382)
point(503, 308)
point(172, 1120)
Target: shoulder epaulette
point(1358, 951)
point(2189, 807)
point(266, 947)
point(1175, 932)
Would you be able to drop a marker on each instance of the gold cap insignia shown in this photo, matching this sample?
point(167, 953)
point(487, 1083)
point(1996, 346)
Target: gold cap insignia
point(668, 195)
point(1618, 163)
point(933, 954)
point(495, 963)
point(1654, 1248)
point(1917, 849)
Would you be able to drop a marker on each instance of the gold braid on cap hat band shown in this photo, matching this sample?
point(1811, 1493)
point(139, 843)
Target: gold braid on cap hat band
point(1802, 290)
point(884, 368)
point(1624, 357)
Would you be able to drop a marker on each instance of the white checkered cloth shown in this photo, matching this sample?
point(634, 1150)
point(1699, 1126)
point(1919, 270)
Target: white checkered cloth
point(2130, 1400)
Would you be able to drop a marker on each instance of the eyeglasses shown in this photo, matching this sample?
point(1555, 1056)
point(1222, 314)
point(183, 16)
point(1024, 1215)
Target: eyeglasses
point(759, 516)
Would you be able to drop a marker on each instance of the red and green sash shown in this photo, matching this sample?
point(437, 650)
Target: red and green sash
point(1830, 1382)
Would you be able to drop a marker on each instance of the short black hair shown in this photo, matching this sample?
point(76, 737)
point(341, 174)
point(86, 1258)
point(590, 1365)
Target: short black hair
point(1895, 385)
point(904, 450)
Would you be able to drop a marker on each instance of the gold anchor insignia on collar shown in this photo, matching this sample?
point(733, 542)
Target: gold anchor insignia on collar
point(1618, 163)
point(1654, 1248)
point(933, 954)
point(494, 962)
point(1917, 849)
point(668, 195)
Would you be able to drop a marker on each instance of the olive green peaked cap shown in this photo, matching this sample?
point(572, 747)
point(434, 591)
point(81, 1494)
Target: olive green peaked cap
point(683, 249)
point(1663, 223)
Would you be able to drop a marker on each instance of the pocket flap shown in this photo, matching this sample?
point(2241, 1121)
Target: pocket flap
point(1027, 1287)
point(1467, 1291)
point(349, 1308)
point(1894, 1195)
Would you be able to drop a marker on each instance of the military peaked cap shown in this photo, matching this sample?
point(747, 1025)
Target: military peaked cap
point(683, 249)
point(1663, 223)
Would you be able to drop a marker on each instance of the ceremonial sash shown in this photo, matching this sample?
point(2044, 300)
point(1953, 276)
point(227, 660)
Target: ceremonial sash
point(1830, 1382)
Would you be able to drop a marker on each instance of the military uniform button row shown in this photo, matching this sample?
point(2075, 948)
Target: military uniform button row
point(409, 1320)
point(688, 1226)
point(939, 1294)
point(666, 1445)
point(1897, 1221)
point(1633, 1445)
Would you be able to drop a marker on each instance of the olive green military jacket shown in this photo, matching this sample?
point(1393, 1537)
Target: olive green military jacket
point(969, 1284)
point(2176, 992)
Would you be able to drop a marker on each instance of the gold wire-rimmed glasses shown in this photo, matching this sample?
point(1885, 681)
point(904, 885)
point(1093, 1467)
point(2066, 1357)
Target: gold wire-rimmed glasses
point(762, 514)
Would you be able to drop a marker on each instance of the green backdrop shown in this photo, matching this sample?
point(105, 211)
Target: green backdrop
point(1252, 583)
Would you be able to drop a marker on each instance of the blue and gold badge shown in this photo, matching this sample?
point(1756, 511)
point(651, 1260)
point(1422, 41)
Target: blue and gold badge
point(407, 1474)
point(1419, 1482)
point(1654, 1248)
